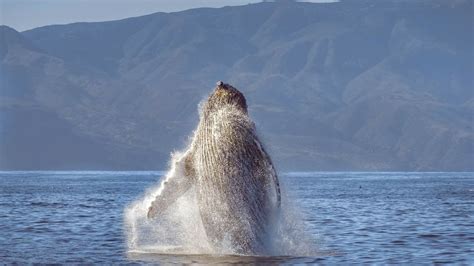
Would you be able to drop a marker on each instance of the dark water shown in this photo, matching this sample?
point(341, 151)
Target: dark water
point(402, 218)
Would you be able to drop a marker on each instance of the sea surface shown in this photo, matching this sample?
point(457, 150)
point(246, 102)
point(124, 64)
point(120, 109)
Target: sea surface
point(396, 218)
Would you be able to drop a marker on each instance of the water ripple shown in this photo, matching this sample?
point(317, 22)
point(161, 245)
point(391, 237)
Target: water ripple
point(367, 218)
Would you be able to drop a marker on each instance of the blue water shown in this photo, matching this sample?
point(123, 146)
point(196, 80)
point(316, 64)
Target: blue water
point(400, 218)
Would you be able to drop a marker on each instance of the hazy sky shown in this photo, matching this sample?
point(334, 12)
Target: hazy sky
point(28, 14)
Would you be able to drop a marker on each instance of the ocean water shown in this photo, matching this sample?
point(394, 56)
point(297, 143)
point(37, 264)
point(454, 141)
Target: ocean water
point(399, 218)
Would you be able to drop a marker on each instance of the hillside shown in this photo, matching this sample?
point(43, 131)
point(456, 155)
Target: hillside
point(353, 85)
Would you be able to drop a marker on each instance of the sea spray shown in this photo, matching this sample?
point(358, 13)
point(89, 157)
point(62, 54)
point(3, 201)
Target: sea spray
point(179, 229)
point(288, 234)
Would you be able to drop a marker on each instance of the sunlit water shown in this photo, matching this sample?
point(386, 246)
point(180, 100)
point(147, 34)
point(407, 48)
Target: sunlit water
point(77, 217)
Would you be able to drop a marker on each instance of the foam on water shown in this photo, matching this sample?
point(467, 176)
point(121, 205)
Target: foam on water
point(179, 230)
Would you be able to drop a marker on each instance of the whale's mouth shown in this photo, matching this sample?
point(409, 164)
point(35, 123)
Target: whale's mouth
point(225, 94)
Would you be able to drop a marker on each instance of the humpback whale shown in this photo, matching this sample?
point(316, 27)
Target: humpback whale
point(236, 184)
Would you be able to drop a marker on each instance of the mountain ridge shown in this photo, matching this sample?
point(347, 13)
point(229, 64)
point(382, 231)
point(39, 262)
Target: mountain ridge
point(340, 86)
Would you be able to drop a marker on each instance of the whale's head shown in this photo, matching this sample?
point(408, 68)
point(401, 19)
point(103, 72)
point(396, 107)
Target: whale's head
point(225, 95)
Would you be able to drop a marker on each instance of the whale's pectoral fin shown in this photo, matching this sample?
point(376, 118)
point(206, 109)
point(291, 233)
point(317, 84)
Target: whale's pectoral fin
point(173, 187)
point(276, 185)
point(273, 180)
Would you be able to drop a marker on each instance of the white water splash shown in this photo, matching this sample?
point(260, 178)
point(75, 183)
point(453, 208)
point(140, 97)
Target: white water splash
point(179, 229)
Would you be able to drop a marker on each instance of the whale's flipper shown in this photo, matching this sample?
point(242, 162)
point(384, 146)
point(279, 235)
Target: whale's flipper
point(173, 186)
point(274, 178)
point(271, 179)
